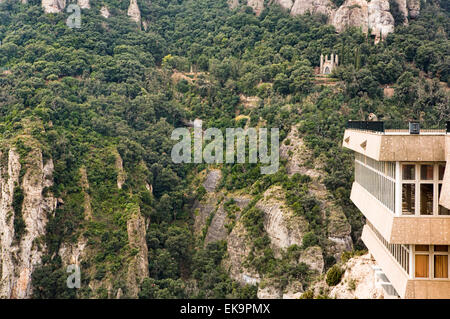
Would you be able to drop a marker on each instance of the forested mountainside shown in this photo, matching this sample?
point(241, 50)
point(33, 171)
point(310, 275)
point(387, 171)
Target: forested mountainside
point(86, 116)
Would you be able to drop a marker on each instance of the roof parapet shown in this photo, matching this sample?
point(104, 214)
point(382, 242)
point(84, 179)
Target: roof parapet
point(373, 126)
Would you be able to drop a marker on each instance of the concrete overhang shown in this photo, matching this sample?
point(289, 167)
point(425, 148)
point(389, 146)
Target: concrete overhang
point(419, 230)
point(405, 286)
point(397, 145)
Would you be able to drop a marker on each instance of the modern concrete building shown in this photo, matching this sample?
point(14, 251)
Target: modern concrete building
point(403, 189)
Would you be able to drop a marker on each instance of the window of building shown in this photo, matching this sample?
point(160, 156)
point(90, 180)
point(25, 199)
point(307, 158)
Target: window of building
point(440, 261)
point(378, 178)
point(408, 199)
point(422, 266)
point(421, 189)
point(422, 248)
point(426, 199)
point(434, 258)
point(409, 172)
point(440, 266)
point(426, 172)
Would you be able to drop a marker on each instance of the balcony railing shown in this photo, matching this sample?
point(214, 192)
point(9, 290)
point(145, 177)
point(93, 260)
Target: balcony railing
point(398, 251)
point(374, 126)
point(378, 126)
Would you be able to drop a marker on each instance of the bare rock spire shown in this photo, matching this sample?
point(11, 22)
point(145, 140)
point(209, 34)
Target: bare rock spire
point(133, 12)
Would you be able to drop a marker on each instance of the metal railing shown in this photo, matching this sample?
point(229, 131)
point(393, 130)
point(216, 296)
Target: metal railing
point(398, 251)
point(374, 126)
point(378, 126)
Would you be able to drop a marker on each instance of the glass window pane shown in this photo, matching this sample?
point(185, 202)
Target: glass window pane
point(422, 248)
point(426, 172)
point(440, 248)
point(441, 171)
point(421, 266)
point(440, 266)
point(409, 172)
point(442, 209)
point(426, 199)
point(408, 199)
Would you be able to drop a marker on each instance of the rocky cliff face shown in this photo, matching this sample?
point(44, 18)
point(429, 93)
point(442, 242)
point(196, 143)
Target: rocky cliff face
point(312, 6)
point(358, 280)
point(409, 8)
point(374, 15)
point(280, 223)
point(138, 264)
point(257, 5)
point(413, 8)
point(23, 201)
point(121, 175)
point(298, 156)
point(283, 228)
point(56, 6)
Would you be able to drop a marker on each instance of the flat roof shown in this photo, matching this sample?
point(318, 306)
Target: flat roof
point(398, 145)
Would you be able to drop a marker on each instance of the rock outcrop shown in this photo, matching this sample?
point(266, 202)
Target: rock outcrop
point(138, 263)
point(381, 20)
point(121, 175)
point(413, 8)
point(212, 180)
point(287, 4)
point(133, 12)
point(352, 13)
point(238, 249)
point(87, 198)
point(313, 257)
point(20, 253)
point(72, 254)
point(313, 6)
point(233, 4)
point(269, 292)
point(374, 15)
point(300, 160)
point(105, 12)
point(257, 5)
point(84, 4)
point(53, 6)
point(217, 230)
point(403, 8)
point(358, 280)
point(281, 224)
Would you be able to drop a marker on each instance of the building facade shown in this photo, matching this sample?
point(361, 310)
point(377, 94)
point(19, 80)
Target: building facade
point(328, 64)
point(403, 189)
